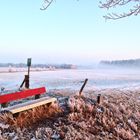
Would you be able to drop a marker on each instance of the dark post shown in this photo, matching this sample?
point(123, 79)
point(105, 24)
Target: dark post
point(99, 99)
point(81, 90)
point(27, 84)
point(22, 83)
point(26, 80)
point(29, 65)
point(27, 77)
point(37, 96)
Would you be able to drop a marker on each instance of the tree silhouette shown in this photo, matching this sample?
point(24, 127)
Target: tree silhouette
point(134, 7)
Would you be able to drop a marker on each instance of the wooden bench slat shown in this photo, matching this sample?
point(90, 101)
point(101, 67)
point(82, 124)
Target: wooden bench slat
point(30, 104)
point(21, 94)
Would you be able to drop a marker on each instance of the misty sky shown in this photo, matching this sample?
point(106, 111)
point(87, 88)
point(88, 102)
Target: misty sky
point(68, 32)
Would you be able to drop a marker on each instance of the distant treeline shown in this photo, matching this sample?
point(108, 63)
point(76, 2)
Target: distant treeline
point(23, 65)
point(126, 63)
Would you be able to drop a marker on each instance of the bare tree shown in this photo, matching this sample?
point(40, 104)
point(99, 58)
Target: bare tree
point(108, 4)
point(134, 10)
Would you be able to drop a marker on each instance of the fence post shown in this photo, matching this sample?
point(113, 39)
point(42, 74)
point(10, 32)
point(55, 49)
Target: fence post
point(81, 90)
point(99, 99)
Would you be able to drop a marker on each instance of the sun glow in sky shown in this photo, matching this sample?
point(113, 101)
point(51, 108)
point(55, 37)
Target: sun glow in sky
point(67, 32)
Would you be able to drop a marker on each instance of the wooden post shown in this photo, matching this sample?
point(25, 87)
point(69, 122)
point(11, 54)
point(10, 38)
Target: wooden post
point(28, 70)
point(29, 65)
point(99, 100)
point(27, 84)
point(22, 83)
point(81, 90)
point(26, 81)
point(27, 77)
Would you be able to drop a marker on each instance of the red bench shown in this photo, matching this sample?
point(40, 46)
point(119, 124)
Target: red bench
point(4, 99)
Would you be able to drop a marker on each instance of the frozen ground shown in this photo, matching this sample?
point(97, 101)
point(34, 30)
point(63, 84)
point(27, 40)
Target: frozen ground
point(116, 118)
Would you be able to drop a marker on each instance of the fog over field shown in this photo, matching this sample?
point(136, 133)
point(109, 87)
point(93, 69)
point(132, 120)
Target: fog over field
point(99, 77)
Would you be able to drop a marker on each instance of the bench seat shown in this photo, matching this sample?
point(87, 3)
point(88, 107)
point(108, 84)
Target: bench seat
point(29, 105)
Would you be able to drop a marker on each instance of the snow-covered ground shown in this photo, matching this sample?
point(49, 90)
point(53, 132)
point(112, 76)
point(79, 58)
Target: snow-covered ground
point(73, 79)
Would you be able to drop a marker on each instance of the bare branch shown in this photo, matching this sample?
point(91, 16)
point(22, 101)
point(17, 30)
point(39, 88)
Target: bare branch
point(46, 4)
point(108, 4)
point(135, 10)
point(114, 3)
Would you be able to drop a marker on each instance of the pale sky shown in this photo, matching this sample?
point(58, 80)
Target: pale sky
point(67, 32)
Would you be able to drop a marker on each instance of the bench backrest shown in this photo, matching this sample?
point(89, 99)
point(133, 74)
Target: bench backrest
point(21, 94)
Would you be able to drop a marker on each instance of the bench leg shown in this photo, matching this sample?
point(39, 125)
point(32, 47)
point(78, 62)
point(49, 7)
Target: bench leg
point(37, 96)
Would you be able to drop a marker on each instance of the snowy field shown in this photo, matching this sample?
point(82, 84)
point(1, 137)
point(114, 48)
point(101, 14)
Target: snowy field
point(73, 79)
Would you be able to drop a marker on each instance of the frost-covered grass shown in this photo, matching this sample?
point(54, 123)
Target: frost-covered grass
point(117, 118)
point(28, 118)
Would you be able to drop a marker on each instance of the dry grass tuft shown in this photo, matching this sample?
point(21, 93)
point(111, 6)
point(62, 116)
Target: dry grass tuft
point(30, 117)
point(114, 119)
